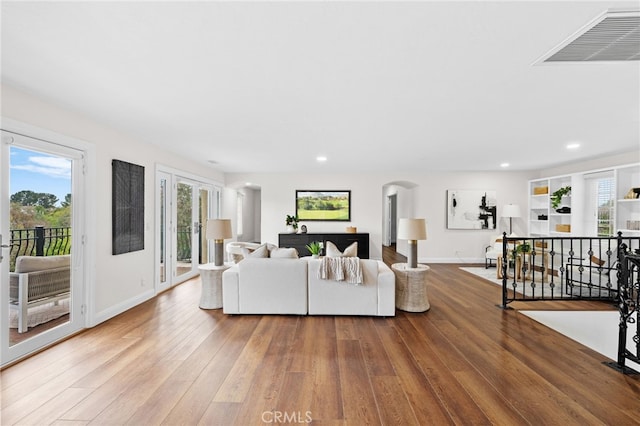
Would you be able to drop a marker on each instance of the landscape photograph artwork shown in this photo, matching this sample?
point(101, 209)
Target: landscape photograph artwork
point(323, 205)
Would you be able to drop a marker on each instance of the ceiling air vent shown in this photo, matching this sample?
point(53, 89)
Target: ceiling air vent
point(613, 36)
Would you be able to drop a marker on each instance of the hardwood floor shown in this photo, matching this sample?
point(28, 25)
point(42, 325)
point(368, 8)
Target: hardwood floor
point(465, 361)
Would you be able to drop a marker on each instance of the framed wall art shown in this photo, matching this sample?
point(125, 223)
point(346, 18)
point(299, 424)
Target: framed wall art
point(471, 209)
point(323, 205)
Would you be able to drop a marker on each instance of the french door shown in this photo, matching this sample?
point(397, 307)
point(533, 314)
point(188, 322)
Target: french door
point(41, 209)
point(183, 205)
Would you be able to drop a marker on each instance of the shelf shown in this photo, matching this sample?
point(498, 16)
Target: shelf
point(629, 200)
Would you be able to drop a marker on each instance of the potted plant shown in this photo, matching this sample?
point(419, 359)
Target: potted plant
point(314, 248)
point(556, 197)
point(292, 223)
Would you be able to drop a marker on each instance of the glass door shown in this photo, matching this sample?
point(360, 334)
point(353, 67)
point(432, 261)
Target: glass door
point(183, 206)
point(187, 231)
point(42, 279)
point(163, 235)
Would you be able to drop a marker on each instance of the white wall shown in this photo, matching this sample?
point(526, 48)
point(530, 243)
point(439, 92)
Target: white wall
point(428, 200)
point(115, 283)
point(592, 164)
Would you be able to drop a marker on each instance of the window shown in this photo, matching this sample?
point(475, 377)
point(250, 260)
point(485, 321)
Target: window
point(240, 212)
point(606, 214)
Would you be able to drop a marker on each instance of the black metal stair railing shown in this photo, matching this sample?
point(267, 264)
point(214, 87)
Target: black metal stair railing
point(553, 268)
point(629, 307)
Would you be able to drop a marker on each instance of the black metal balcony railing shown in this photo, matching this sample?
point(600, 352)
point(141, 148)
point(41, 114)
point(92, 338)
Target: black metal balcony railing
point(39, 241)
point(183, 236)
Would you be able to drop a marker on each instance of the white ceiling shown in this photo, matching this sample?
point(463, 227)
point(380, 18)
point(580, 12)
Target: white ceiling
point(268, 86)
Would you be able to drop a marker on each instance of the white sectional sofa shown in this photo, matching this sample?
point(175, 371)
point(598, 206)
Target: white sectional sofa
point(292, 286)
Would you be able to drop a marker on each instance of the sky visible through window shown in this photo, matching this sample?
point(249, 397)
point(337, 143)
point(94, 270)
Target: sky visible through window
point(39, 172)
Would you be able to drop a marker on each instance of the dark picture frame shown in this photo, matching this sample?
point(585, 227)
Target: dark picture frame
point(127, 205)
point(323, 205)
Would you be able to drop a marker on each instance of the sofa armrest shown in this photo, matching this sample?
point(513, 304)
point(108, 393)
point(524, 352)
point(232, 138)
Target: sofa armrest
point(386, 290)
point(231, 290)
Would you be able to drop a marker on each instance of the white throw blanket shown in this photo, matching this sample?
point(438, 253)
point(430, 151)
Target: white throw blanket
point(341, 269)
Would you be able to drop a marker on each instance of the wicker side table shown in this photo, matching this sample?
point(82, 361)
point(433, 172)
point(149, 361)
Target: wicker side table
point(411, 287)
point(211, 277)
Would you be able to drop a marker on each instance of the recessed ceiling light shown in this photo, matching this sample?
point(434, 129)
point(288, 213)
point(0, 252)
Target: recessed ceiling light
point(247, 184)
point(321, 158)
point(573, 146)
point(504, 165)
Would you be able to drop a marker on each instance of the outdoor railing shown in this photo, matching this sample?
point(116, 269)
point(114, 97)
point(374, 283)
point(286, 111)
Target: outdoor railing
point(552, 268)
point(183, 236)
point(183, 239)
point(39, 241)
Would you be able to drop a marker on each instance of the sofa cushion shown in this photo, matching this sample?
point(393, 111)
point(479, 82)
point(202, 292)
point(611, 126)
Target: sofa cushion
point(284, 253)
point(332, 251)
point(26, 264)
point(259, 252)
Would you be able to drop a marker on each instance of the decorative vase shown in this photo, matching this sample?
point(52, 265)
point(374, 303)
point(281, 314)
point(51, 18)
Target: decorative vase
point(291, 229)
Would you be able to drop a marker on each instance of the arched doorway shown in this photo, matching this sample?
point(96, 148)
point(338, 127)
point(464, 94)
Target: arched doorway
point(398, 201)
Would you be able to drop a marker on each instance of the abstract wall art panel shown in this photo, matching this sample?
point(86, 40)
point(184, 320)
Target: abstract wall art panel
point(471, 209)
point(127, 207)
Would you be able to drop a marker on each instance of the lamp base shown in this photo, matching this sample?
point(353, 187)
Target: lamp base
point(412, 256)
point(218, 252)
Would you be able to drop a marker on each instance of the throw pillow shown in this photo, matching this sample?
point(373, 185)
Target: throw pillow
point(284, 253)
point(332, 250)
point(259, 252)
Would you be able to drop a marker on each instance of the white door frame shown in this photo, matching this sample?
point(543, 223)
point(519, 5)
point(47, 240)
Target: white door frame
point(174, 176)
point(82, 277)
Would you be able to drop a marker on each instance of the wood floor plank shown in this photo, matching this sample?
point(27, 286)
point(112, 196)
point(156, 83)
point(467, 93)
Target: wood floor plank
point(269, 378)
point(394, 406)
point(359, 401)
point(424, 400)
point(140, 389)
point(55, 407)
point(439, 371)
point(238, 381)
point(194, 403)
point(220, 413)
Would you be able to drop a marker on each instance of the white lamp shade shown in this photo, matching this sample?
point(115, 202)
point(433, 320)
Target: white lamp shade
point(219, 229)
point(412, 229)
point(511, 210)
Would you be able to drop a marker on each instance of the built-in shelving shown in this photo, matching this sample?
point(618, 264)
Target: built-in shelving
point(545, 220)
point(627, 208)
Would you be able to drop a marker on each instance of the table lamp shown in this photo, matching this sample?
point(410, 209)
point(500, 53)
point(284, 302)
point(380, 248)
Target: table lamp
point(412, 230)
point(218, 230)
point(511, 211)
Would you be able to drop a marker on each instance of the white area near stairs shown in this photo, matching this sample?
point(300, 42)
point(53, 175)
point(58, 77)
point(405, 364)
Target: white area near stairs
point(597, 330)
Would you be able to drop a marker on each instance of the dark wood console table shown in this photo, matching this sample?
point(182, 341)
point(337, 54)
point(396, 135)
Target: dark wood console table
point(342, 240)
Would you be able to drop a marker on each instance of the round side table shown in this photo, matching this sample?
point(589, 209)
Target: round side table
point(211, 277)
point(411, 287)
